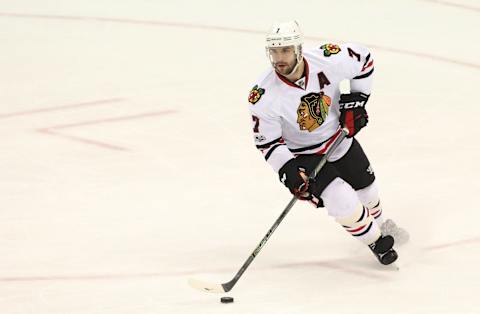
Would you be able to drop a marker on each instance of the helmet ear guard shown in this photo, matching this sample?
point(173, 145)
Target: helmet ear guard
point(283, 35)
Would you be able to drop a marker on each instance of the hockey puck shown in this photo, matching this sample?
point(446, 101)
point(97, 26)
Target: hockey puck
point(226, 299)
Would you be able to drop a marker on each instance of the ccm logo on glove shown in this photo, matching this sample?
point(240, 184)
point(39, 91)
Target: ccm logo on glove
point(353, 115)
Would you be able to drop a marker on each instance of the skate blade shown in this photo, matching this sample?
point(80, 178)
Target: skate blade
point(393, 266)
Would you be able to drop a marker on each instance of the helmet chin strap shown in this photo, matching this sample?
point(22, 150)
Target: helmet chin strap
point(294, 68)
point(299, 55)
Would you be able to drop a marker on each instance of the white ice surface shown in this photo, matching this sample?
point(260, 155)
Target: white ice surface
point(128, 165)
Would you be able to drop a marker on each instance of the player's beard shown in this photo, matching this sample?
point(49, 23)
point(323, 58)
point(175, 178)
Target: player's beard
point(285, 70)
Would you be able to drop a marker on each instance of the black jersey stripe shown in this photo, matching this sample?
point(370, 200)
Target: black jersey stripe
point(298, 150)
point(270, 151)
point(270, 143)
point(366, 60)
point(363, 75)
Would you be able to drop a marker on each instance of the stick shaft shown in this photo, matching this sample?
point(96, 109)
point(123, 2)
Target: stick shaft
point(229, 285)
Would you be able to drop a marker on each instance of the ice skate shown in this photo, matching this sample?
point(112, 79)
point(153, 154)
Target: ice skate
point(389, 227)
point(383, 250)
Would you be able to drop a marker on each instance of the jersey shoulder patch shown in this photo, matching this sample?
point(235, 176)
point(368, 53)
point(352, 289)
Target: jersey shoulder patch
point(255, 94)
point(330, 49)
point(262, 86)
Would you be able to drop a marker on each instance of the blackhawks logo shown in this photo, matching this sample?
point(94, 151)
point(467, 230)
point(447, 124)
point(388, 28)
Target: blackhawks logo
point(313, 111)
point(330, 49)
point(255, 94)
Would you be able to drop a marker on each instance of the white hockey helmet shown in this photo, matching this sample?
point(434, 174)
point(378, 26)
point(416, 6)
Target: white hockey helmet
point(285, 34)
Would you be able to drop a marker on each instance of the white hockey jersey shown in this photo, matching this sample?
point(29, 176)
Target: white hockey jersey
point(303, 118)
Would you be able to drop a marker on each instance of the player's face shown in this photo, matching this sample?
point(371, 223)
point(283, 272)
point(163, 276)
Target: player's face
point(283, 58)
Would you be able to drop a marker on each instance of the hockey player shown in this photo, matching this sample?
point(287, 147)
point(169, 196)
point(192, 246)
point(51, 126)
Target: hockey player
point(297, 112)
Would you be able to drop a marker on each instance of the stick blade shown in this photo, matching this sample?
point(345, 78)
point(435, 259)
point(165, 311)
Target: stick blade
point(206, 286)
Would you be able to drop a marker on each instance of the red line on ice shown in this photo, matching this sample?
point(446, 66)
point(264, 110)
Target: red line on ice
point(452, 4)
point(451, 244)
point(52, 130)
point(325, 263)
point(219, 28)
point(82, 140)
point(109, 120)
point(60, 108)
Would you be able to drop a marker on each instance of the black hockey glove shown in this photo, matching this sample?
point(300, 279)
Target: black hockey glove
point(353, 115)
point(295, 179)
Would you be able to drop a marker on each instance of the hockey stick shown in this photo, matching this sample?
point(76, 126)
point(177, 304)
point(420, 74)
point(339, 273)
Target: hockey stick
point(225, 287)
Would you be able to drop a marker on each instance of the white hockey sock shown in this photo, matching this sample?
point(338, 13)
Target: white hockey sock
point(342, 203)
point(376, 212)
point(370, 199)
